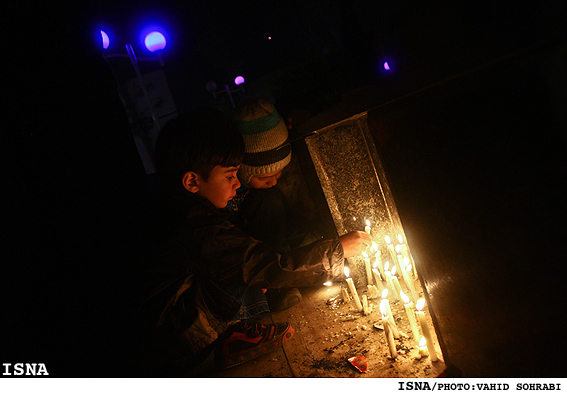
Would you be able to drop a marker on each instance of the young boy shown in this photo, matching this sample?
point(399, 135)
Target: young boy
point(260, 208)
point(206, 259)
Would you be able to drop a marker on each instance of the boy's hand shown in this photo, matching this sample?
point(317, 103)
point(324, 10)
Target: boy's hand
point(355, 242)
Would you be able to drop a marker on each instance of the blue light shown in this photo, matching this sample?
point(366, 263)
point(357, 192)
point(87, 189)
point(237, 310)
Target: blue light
point(239, 80)
point(154, 41)
point(105, 39)
point(387, 65)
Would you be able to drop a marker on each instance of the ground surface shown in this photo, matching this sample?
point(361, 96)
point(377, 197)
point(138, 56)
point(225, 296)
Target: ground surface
point(327, 334)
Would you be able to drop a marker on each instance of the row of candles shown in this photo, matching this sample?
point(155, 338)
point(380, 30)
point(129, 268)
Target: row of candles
point(400, 257)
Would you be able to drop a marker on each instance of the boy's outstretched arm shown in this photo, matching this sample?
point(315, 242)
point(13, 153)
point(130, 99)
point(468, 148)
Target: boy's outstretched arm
point(354, 243)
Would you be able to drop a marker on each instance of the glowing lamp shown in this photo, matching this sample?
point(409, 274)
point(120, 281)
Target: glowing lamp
point(105, 39)
point(386, 65)
point(239, 80)
point(154, 41)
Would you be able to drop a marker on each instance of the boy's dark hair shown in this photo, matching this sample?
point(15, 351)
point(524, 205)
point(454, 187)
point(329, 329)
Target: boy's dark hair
point(197, 141)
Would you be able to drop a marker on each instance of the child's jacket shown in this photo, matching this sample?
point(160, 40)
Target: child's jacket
point(206, 258)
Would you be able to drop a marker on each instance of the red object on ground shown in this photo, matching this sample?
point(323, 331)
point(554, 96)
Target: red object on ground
point(359, 363)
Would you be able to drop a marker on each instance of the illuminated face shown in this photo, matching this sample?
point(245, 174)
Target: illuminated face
point(265, 181)
point(221, 186)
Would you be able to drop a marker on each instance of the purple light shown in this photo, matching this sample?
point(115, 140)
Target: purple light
point(386, 66)
point(105, 40)
point(154, 41)
point(239, 80)
point(269, 38)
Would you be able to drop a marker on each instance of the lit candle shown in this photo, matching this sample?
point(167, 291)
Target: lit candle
point(409, 279)
point(388, 332)
point(408, 305)
point(391, 250)
point(399, 258)
point(405, 252)
point(367, 265)
point(374, 247)
point(386, 304)
point(422, 350)
point(353, 290)
point(378, 281)
point(378, 263)
point(425, 329)
point(367, 227)
point(403, 246)
point(395, 281)
point(389, 282)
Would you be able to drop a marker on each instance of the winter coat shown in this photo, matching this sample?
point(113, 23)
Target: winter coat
point(206, 258)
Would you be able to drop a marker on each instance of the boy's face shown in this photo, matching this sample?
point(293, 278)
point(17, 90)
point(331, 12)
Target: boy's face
point(220, 187)
point(265, 181)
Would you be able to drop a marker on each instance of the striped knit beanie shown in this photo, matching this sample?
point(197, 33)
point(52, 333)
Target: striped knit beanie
point(267, 148)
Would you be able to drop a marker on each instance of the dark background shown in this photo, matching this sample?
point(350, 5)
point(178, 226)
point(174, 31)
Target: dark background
point(77, 195)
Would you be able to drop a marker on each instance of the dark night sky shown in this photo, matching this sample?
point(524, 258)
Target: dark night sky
point(56, 46)
point(75, 181)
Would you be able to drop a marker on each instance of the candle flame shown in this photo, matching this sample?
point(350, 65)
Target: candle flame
point(368, 223)
point(420, 304)
point(375, 264)
point(393, 272)
point(405, 298)
point(398, 249)
point(383, 310)
point(386, 266)
point(347, 272)
point(374, 247)
point(387, 238)
point(328, 283)
point(400, 239)
point(365, 255)
point(384, 293)
point(422, 342)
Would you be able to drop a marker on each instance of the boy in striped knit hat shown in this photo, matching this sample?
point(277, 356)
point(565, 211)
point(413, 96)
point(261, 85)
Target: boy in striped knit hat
point(260, 208)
